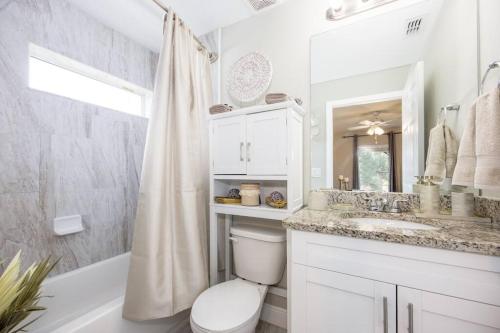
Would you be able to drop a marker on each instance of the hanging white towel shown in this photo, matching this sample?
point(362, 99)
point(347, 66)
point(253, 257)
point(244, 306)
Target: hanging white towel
point(478, 162)
point(451, 151)
point(487, 175)
point(442, 153)
point(466, 160)
point(436, 154)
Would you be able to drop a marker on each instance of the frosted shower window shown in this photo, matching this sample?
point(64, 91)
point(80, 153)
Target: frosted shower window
point(56, 74)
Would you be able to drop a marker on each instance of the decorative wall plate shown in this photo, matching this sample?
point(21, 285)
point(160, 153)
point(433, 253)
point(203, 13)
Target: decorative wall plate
point(249, 78)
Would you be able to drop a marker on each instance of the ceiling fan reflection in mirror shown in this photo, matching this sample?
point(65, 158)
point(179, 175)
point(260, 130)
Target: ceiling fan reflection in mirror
point(374, 126)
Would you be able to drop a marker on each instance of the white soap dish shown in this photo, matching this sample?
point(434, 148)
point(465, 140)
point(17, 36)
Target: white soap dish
point(67, 225)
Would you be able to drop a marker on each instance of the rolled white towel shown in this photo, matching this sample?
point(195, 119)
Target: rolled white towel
point(219, 108)
point(272, 98)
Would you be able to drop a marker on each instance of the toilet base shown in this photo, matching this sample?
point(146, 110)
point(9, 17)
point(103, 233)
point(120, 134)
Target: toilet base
point(248, 326)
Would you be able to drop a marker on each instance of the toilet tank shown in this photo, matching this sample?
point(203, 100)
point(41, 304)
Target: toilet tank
point(259, 253)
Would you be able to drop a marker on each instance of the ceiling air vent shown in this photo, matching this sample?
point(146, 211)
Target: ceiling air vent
point(261, 4)
point(414, 26)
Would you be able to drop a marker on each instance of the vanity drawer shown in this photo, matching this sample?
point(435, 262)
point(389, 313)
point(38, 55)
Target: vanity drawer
point(464, 275)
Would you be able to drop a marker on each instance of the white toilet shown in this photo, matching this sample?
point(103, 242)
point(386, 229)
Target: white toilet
point(234, 306)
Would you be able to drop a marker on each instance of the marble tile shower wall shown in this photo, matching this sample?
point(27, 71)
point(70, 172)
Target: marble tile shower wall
point(58, 156)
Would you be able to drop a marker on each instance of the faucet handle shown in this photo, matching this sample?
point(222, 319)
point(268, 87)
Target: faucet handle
point(382, 202)
point(396, 206)
point(374, 205)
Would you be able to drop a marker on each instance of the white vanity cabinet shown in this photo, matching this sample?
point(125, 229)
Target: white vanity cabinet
point(429, 312)
point(350, 285)
point(329, 302)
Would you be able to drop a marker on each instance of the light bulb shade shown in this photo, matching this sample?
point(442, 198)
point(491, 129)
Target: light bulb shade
point(370, 131)
point(336, 5)
point(378, 130)
point(339, 9)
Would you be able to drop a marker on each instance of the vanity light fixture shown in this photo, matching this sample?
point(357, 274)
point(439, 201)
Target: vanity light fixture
point(340, 9)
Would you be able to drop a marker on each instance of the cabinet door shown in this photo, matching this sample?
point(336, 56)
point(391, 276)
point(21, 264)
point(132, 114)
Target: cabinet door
point(424, 312)
point(228, 145)
point(266, 143)
point(329, 302)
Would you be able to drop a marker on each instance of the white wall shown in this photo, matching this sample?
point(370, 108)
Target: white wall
point(283, 34)
point(450, 64)
point(451, 74)
point(490, 38)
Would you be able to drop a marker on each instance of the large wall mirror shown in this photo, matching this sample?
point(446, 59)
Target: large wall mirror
point(378, 85)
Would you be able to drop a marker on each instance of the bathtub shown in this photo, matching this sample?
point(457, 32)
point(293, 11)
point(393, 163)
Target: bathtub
point(90, 300)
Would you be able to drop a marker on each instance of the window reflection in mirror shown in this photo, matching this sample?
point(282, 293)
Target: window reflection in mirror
point(366, 143)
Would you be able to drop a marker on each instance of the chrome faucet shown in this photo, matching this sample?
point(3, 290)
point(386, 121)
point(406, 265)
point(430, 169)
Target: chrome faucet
point(397, 207)
point(378, 205)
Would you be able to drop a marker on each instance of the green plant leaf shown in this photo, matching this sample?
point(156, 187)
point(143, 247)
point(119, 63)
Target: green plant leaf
point(19, 295)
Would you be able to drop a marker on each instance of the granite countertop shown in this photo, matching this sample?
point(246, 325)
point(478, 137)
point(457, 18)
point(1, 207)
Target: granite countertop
point(465, 236)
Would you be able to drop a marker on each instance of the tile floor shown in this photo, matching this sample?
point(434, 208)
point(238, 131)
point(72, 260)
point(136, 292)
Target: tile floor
point(264, 327)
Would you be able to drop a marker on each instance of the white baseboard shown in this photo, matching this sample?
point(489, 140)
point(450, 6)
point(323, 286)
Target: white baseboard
point(274, 315)
point(277, 291)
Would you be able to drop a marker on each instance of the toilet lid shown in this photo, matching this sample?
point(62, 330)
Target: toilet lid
point(226, 306)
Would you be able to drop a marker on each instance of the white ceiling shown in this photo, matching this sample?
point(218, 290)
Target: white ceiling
point(372, 44)
point(142, 20)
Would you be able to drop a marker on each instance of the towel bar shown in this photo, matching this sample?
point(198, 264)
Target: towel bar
point(493, 65)
point(444, 110)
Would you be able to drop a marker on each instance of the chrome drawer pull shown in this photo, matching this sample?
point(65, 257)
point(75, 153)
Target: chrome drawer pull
point(386, 323)
point(410, 318)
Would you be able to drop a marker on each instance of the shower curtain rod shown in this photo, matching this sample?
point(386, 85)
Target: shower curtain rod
point(212, 56)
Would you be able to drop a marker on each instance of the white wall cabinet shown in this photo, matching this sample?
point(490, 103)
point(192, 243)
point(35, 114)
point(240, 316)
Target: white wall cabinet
point(260, 144)
point(267, 143)
point(254, 144)
point(349, 285)
point(229, 140)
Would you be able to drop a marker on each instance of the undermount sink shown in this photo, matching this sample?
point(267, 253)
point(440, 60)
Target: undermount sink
point(391, 223)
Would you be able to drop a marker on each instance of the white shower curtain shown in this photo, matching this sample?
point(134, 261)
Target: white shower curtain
point(169, 260)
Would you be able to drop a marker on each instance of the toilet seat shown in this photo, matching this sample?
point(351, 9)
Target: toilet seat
point(228, 306)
